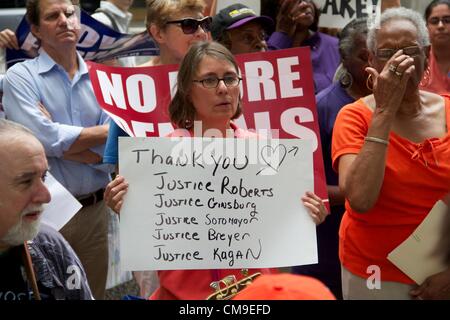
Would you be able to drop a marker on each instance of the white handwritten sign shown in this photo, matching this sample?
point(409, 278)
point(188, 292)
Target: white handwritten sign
point(216, 203)
point(337, 13)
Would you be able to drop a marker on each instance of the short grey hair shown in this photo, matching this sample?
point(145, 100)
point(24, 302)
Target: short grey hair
point(400, 13)
point(354, 29)
point(8, 127)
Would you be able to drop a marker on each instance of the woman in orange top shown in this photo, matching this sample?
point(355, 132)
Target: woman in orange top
point(392, 152)
point(437, 76)
point(208, 95)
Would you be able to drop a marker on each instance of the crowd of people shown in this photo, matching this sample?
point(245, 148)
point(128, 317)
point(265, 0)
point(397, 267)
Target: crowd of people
point(383, 103)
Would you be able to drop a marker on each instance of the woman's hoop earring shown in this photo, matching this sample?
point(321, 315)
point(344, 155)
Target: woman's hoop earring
point(369, 82)
point(346, 80)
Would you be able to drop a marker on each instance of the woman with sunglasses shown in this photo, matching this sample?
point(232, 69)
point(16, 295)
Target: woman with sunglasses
point(391, 150)
point(437, 75)
point(175, 25)
point(208, 95)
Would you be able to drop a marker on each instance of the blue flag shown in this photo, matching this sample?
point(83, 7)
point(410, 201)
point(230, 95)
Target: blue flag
point(97, 43)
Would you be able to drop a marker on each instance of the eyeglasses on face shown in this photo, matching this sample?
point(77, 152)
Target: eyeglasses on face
point(250, 38)
point(435, 20)
point(213, 82)
point(190, 25)
point(386, 54)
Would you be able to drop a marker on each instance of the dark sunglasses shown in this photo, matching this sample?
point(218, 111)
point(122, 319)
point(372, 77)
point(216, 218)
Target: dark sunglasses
point(190, 25)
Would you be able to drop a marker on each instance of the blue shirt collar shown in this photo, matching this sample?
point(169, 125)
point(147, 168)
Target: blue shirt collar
point(46, 63)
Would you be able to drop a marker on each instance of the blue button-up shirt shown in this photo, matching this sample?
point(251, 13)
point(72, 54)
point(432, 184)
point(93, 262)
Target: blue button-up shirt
point(72, 106)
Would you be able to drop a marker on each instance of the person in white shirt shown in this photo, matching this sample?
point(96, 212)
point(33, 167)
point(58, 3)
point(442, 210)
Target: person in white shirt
point(115, 14)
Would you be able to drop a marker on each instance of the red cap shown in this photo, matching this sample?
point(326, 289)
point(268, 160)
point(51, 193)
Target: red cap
point(285, 286)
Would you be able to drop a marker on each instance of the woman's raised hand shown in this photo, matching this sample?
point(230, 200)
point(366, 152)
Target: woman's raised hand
point(390, 84)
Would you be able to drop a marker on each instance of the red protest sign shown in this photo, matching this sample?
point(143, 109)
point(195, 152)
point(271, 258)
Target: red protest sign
point(277, 94)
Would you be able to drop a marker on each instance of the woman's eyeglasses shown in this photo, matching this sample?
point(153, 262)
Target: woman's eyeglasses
point(386, 54)
point(435, 20)
point(190, 25)
point(213, 82)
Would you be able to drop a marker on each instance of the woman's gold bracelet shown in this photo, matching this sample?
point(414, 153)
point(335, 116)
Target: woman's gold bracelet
point(377, 140)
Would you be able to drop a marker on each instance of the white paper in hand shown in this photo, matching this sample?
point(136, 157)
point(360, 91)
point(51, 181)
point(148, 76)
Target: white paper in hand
point(62, 207)
point(425, 251)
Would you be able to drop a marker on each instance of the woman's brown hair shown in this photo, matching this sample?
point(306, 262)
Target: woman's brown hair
point(181, 109)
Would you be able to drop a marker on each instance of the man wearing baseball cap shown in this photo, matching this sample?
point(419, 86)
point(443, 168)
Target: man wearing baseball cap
point(239, 29)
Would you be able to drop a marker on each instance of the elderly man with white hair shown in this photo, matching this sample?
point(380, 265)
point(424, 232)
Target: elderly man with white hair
point(35, 261)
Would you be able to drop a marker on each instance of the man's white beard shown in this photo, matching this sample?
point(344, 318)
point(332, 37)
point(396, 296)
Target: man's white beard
point(23, 230)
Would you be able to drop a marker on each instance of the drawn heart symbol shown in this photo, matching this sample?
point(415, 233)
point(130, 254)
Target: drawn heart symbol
point(270, 156)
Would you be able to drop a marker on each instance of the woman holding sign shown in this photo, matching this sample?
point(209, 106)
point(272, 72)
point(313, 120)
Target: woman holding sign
point(175, 26)
point(392, 152)
point(208, 95)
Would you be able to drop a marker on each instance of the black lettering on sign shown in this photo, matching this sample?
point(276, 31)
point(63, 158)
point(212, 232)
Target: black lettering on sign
point(212, 220)
point(160, 235)
point(169, 203)
point(333, 5)
point(234, 205)
point(180, 161)
point(177, 184)
point(224, 163)
point(232, 255)
point(138, 154)
point(242, 191)
point(175, 256)
point(195, 160)
point(174, 220)
point(229, 237)
point(344, 8)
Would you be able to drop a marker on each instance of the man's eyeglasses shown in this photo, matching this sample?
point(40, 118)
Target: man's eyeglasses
point(213, 82)
point(435, 20)
point(250, 37)
point(386, 54)
point(190, 25)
